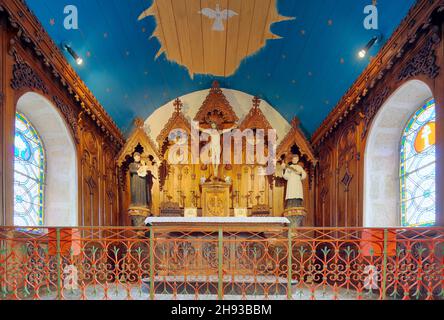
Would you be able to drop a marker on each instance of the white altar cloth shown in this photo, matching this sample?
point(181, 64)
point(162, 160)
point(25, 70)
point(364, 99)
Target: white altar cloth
point(218, 220)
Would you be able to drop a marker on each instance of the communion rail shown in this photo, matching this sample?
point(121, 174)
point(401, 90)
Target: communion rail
point(221, 263)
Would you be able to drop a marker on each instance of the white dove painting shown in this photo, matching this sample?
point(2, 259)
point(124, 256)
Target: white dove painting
point(212, 37)
point(218, 16)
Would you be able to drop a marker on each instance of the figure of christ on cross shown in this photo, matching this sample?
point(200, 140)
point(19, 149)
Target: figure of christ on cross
point(215, 147)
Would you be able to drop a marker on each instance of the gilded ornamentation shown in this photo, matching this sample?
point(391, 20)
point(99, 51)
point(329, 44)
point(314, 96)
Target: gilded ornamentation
point(216, 199)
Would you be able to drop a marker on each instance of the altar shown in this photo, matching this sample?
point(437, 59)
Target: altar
point(264, 222)
point(215, 160)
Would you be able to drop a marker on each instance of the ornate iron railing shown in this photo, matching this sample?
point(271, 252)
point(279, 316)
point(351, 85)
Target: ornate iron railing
point(221, 262)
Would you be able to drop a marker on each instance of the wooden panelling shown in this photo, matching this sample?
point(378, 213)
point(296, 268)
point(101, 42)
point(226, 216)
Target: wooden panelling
point(97, 140)
point(339, 143)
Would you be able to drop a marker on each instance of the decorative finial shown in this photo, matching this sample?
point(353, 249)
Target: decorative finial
point(178, 105)
point(256, 102)
point(216, 84)
point(295, 122)
point(138, 123)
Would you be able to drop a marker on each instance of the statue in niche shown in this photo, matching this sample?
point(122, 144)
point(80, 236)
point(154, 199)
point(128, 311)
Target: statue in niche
point(294, 174)
point(141, 183)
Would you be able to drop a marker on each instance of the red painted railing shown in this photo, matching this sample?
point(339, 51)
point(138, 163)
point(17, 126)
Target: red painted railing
point(221, 262)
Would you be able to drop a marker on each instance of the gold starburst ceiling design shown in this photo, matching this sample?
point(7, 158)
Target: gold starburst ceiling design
point(212, 36)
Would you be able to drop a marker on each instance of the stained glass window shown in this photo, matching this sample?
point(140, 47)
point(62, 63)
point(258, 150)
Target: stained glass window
point(29, 174)
point(417, 170)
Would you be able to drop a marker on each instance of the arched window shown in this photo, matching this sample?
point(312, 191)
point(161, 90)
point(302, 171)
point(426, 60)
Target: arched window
point(29, 174)
point(417, 169)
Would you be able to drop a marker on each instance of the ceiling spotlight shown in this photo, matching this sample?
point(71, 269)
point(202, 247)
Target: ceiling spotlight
point(363, 52)
point(76, 57)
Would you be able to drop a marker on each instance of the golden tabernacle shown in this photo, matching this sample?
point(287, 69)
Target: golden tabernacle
point(216, 197)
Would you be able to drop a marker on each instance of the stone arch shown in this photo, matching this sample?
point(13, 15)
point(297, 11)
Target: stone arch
point(382, 154)
point(61, 190)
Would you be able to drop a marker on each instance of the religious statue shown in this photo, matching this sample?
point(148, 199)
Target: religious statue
point(141, 183)
point(215, 147)
point(294, 174)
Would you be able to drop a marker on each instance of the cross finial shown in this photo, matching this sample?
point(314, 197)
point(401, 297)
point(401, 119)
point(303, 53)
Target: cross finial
point(138, 123)
point(256, 102)
point(178, 105)
point(215, 84)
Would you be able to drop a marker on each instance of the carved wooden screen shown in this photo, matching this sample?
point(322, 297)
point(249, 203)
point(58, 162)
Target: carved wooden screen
point(417, 169)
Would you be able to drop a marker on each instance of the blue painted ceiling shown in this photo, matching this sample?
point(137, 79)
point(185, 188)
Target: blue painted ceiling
point(305, 73)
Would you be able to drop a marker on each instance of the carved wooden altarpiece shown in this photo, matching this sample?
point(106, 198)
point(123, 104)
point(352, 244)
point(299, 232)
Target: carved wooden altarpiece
point(189, 186)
